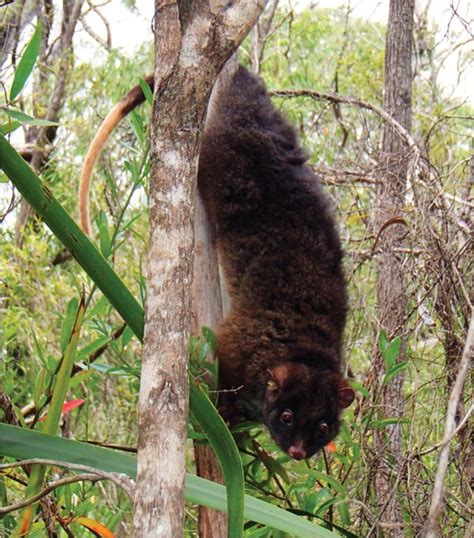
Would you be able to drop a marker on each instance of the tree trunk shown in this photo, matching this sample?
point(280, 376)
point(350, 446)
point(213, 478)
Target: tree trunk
point(207, 311)
point(391, 284)
point(192, 42)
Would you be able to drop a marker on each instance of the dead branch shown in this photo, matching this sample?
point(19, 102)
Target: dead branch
point(450, 426)
point(48, 489)
point(120, 480)
point(443, 443)
point(336, 98)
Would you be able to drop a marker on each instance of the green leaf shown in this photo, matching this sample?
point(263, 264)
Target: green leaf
point(27, 62)
point(6, 128)
point(38, 349)
point(38, 389)
point(394, 371)
point(126, 336)
point(209, 336)
point(79, 378)
point(391, 352)
point(383, 341)
point(68, 322)
point(146, 91)
point(379, 424)
point(104, 236)
point(359, 388)
point(133, 168)
point(334, 484)
point(61, 384)
point(137, 124)
point(52, 364)
point(91, 348)
point(226, 451)
point(21, 443)
point(25, 118)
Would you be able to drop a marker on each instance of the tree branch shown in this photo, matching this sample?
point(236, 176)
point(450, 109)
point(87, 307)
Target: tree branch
point(354, 101)
point(120, 480)
point(450, 426)
point(48, 489)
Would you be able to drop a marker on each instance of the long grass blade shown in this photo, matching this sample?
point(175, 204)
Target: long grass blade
point(21, 443)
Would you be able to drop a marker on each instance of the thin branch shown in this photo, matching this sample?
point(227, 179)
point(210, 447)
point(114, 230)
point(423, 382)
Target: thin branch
point(438, 490)
point(120, 480)
point(354, 101)
point(451, 437)
point(105, 44)
point(48, 489)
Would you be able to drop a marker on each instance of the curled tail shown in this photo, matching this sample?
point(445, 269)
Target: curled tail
point(134, 98)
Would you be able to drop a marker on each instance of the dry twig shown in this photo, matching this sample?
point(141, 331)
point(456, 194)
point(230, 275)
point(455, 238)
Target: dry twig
point(120, 480)
point(438, 489)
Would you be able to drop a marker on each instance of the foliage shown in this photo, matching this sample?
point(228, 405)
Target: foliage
point(213, 426)
point(320, 49)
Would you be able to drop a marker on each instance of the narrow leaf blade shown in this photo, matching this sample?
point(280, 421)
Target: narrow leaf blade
point(26, 63)
point(25, 118)
point(22, 443)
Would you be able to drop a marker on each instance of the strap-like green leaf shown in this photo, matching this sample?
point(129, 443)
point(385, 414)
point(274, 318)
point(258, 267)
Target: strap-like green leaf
point(22, 443)
point(25, 118)
point(26, 63)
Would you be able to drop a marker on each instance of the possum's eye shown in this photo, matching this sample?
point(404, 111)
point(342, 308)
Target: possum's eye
point(287, 416)
point(323, 427)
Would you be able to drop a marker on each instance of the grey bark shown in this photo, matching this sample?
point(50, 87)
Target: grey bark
point(192, 42)
point(391, 282)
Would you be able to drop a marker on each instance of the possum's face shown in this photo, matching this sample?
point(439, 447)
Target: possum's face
point(302, 407)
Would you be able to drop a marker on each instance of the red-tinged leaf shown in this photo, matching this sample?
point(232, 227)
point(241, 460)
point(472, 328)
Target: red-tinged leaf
point(95, 527)
point(331, 446)
point(68, 406)
point(72, 404)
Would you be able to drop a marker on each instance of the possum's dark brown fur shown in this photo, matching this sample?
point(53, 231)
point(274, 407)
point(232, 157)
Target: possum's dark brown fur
point(279, 347)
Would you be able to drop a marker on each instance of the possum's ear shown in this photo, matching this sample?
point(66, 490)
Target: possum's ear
point(283, 374)
point(345, 394)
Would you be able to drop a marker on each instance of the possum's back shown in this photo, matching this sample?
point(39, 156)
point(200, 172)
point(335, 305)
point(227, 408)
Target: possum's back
point(277, 238)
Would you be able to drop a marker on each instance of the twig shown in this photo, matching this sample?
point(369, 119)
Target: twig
point(50, 487)
point(94, 35)
point(451, 437)
point(120, 480)
point(389, 497)
point(438, 489)
point(336, 98)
